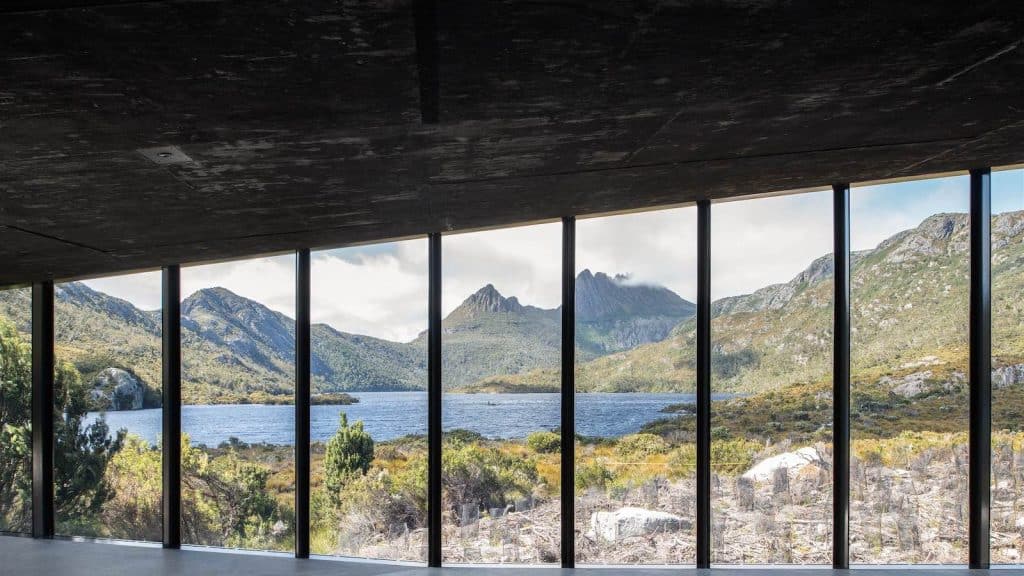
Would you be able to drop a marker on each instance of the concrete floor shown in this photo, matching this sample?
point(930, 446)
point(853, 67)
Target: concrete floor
point(27, 557)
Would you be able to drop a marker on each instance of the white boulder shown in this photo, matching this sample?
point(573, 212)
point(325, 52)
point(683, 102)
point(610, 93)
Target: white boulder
point(629, 522)
point(791, 461)
point(122, 389)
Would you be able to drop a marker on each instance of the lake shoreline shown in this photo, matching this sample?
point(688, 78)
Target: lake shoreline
point(391, 415)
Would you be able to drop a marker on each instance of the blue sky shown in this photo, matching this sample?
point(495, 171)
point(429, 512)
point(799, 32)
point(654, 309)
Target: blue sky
point(380, 290)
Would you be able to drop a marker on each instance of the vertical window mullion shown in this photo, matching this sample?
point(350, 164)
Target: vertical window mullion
point(704, 384)
point(302, 402)
point(980, 377)
point(42, 410)
point(171, 376)
point(568, 387)
point(841, 378)
point(434, 422)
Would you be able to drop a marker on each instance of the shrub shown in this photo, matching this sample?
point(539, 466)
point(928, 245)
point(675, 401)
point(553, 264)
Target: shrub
point(733, 456)
point(591, 475)
point(544, 442)
point(485, 476)
point(682, 462)
point(641, 446)
point(349, 453)
point(462, 436)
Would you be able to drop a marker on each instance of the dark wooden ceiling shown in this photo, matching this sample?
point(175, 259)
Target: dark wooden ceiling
point(304, 123)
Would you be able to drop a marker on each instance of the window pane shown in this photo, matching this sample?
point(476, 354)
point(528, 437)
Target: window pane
point(369, 414)
point(238, 414)
point(909, 394)
point(107, 430)
point(16, 410)
point(635, 386)
point(501, 352)
point(771, 379)
point(1007, 367)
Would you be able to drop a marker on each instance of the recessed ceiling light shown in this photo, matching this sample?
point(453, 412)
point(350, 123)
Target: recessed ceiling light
point(165, 155)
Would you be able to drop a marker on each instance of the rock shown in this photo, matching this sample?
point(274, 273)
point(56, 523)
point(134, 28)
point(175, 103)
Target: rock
point(629, 522)
point(119, 389)
point(1008, 376)
point(912, 384)
point(278, 528)
point(790, 461)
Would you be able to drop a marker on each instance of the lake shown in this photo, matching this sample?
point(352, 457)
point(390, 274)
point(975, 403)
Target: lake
point(388, 415)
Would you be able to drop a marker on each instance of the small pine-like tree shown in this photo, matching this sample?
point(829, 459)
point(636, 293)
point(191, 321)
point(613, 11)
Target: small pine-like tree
point(349, 453)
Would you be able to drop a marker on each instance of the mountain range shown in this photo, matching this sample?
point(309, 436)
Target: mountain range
point(909, 309)
point(238, 350)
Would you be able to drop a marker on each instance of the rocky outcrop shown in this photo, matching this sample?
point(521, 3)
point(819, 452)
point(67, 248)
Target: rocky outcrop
point(791, 462)
point(630, 522)
point(616, 313)
point(1007, 376)
point(117, 389)
point(918, 383)
point(600, 297)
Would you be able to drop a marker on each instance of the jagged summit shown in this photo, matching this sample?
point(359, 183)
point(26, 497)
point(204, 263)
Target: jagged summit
point(600, 296)
point(215, 299)
point(233, 345)
point(489, 300)
point(945, 233)
point(80, 294)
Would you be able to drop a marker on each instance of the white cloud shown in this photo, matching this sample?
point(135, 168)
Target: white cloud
point(269, 281)
point(381, 290)
point(878, 212)
point(657, 247)
point(525, 262)
point(373, 292)
point(765, 241)
point(144, 290)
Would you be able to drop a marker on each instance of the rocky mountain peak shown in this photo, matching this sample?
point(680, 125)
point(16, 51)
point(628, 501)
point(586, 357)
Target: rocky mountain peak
point(938, 234)
point(600, 296)
point(217, 300)
point(78, 294)
point(489, 300)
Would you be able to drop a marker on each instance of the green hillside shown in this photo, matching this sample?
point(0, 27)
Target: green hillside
point(909, 315)
point(235, 350)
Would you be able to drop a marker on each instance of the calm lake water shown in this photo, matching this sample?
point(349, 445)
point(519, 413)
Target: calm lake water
point(388, 415)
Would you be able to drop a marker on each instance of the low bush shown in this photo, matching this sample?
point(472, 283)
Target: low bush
point(544, 442)
point(639, 446)
point(591, 475)
point(485, 476)
point(733, 457)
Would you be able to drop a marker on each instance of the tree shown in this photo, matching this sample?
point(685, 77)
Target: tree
point(349, 452)
point(81, 453)
point(15, 430)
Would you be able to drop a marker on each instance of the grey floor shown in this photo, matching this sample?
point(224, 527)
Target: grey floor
point(24, 556)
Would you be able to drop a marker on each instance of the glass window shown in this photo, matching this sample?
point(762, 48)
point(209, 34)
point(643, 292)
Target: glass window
point(635, 388)
point(909, 392)
point(501, 349)
point(1007, 367)
point(238, 396)
point(771, 380)
point(108, 422)
point(16, 410)
point(369, 413)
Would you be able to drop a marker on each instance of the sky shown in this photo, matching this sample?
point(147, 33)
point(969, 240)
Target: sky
point(381, 290)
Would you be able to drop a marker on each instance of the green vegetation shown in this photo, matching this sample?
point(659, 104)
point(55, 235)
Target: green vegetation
point(639, 446)
point(333, 399)
point(349, 454)
point(15, 430)
point(505, 385)
point(544, 442)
